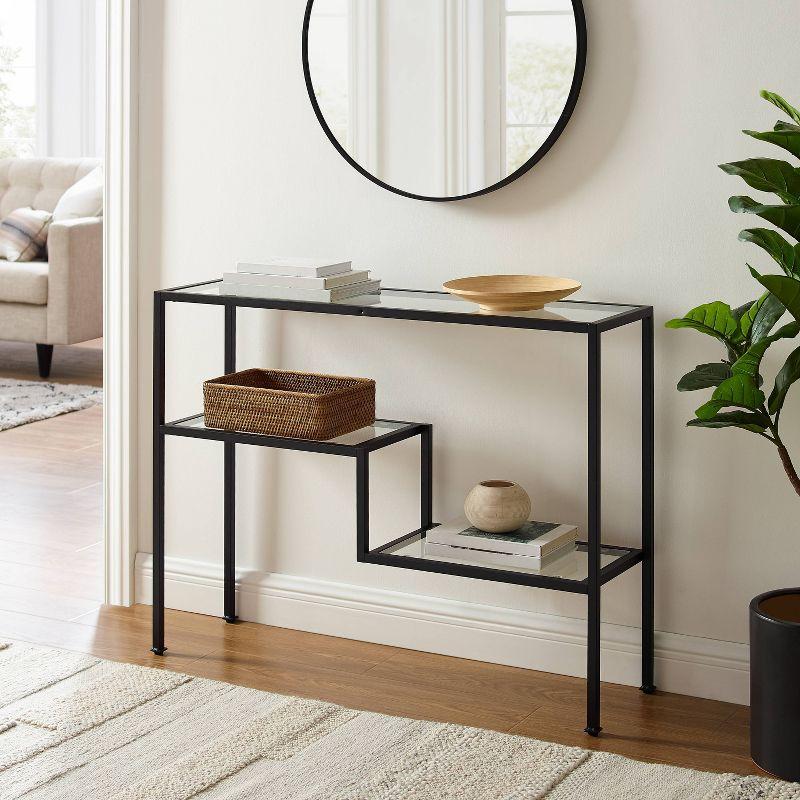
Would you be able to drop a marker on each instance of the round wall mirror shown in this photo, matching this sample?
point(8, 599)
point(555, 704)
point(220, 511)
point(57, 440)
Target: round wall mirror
point(443, 99)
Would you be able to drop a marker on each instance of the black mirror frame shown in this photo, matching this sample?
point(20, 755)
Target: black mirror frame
point(572, 99)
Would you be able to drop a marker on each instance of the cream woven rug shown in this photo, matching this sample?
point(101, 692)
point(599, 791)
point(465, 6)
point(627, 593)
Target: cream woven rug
point(73, 726)
point(30, 401)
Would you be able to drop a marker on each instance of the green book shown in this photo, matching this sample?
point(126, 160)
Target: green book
point(534, 538)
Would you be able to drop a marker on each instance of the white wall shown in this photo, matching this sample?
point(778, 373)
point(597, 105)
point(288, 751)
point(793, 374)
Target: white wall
point(629, 201)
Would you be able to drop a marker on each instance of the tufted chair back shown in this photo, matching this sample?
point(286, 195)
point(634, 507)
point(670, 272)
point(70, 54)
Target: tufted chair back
point(39, 182)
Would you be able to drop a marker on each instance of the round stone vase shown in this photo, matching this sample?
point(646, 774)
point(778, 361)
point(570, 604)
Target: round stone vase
point(497, 506)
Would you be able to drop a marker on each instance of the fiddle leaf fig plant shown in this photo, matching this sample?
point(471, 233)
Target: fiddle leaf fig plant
point(738, 399)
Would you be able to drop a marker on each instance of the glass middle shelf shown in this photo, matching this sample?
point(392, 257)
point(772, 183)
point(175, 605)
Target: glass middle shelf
point(382, 433)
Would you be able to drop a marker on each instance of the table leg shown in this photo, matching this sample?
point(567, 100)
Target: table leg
point(593, 616)
point(159, 359)
point(229, 503)
point(648, 507)
point(229, 546)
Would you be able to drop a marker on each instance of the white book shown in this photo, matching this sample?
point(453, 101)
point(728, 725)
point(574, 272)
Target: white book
point(564, 570)
point(296, 267)
point(307, 295)
point(294, 282)
point(537, 539)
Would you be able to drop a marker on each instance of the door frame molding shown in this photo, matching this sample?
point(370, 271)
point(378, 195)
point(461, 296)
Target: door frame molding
point(120, 289)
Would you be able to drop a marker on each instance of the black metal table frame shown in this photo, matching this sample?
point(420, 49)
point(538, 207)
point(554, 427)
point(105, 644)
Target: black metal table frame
point(386, 554)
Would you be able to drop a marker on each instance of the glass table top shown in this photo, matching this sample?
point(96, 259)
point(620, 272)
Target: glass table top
point(570, 311)
point(381, 427)
point(571, 563)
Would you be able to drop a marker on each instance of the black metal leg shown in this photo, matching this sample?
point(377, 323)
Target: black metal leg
point(362, 504)
point(648, 507)
point(44, 355)
point(229, 509)
point(159, 358)
point(426, 478)
point(593, 634)
point(229, 546)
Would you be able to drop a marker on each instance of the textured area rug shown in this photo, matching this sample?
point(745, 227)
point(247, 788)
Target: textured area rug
point(29, 401)
point(73, 726)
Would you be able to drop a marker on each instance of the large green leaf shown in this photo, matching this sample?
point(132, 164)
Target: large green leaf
point(790, 372)
point(749, 363)
point(741, 310)
point(785, 217)
point(734, 351)
point(704, 376)
point(714, 319)
point(749, 421)
point(786, 289)
point(749, 313)
point(768, 175)
point(739, 390)
point(784, 136)
point(780, 103)
point(767, 314)
point(786, 255)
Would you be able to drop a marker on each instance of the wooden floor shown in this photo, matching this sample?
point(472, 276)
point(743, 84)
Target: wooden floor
point(51, 586)
point(51, 552)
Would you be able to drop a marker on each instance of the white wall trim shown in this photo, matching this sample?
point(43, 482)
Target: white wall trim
point(686, 664)
point(120, 307)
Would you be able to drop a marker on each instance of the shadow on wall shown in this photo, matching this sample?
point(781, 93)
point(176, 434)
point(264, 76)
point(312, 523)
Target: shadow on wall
point(601, 113)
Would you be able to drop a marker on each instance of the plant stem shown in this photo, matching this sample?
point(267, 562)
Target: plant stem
point(788, 466)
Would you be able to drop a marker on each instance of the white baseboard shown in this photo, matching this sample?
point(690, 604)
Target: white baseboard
point(685, 664)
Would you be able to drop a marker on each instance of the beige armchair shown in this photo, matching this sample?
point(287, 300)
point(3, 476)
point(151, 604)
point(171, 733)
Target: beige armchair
point(58, 301)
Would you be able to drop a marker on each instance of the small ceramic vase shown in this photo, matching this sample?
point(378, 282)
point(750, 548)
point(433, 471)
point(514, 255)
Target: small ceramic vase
point(497, 506)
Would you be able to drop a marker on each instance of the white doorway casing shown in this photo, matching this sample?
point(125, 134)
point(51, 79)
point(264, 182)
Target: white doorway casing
point(119, 305)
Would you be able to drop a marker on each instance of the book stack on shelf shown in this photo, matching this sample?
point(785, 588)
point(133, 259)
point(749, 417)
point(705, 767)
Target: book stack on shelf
point(314, 280)
point(533, 546)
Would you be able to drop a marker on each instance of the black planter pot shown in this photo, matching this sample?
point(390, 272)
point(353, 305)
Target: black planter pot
point(775, 682)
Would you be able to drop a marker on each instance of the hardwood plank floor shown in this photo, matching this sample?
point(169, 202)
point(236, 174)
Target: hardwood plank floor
point(51, 586)
point(51, 552)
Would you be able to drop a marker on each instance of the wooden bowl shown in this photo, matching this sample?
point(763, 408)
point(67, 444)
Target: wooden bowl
point(512, 292)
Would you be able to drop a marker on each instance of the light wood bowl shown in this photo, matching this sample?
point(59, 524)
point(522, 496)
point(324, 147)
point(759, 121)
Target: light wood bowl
point(512, 292)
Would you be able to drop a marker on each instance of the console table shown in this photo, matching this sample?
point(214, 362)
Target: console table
point(593, 563)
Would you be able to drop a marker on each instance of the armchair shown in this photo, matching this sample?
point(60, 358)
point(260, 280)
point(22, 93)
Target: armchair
point(58, 301)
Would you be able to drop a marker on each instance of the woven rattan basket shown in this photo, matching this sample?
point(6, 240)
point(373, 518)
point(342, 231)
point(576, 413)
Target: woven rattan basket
point(299, 405)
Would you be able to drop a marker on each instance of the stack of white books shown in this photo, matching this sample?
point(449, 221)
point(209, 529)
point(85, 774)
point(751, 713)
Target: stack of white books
point(315, 280)
point(533, 546)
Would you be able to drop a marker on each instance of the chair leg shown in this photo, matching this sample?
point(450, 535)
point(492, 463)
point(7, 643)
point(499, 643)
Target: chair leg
point(44, 354)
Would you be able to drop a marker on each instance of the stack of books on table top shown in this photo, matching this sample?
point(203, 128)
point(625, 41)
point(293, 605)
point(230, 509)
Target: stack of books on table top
point(533, 546)
point(314, 280)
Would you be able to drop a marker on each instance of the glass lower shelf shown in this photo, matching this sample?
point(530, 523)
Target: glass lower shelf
point(571, 565)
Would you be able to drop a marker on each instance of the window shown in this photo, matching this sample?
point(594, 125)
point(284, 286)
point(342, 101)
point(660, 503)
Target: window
point(17, 78)
point(539, 62)
point(329, 42)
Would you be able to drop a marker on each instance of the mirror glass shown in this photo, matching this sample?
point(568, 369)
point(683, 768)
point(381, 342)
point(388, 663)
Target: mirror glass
point(442, 99)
